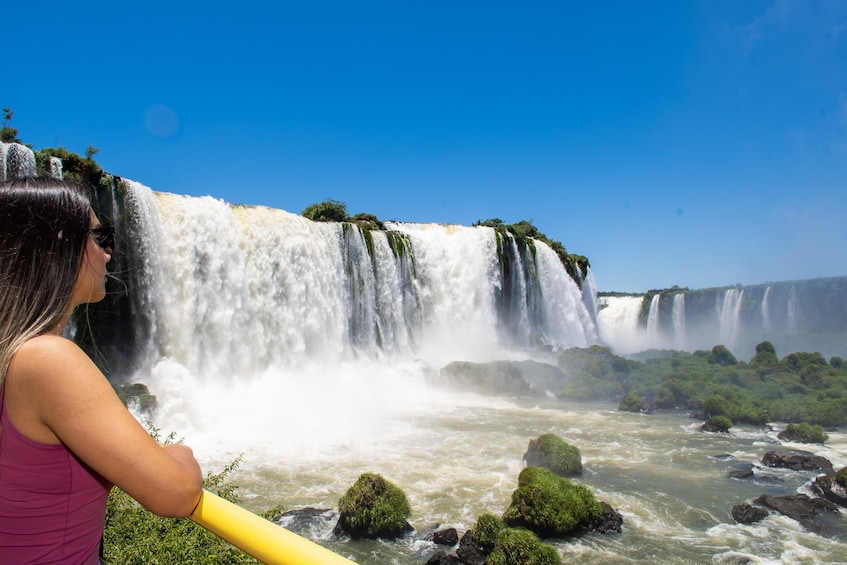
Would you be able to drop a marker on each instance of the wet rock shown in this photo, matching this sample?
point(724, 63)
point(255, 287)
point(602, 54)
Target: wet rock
point(829, 488)
point(744, 471)
point(610, 521)
point(447, 536)
point(469, 552)
point(748, 514)
point(797, 461)
point(441, 558)
point(808, 511)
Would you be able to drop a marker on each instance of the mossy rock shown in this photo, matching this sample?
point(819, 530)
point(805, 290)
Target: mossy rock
point(549, 505)
point(486, 530)
point(803, 433)
point(717, 424)
point(631, 402)
point(373, 508)
point(552, 452)
point(139, 392)
point(517, 546)
point(841, 477)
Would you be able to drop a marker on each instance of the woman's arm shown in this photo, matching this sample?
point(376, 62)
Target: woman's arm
point(66, 396)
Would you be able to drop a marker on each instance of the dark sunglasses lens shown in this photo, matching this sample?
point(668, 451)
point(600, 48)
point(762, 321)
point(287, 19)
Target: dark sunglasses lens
point(106, 237)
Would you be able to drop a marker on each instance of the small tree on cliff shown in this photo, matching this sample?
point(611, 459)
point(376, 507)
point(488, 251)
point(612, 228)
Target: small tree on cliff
point(327, 211)
point(8, 134)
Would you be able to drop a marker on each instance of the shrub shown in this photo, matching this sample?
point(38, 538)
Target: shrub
point(135, 536)
point(765, 355)
point(720, 355)
point(517, 546)
point(552, 452)
point(803, 433)
point(326, 211)
point(715, 405)
point(665, 398)
point(549, 505)
point(373, 507)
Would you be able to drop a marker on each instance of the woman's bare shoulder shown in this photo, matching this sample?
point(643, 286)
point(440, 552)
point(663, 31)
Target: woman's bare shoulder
point(47, 356)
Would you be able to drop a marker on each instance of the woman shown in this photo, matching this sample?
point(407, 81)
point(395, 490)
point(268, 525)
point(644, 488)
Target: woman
point(65, 437)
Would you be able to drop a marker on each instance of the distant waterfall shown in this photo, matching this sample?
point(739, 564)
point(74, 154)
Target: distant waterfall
point(729, 308)
point(679, 318)
point(653, 315)
point(794, 316)
point(236, 289)
point(767, 325)
point(792, 310)
point(16, 160)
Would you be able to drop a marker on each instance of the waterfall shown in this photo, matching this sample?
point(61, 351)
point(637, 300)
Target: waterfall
point(566, 318)
point(16, 160)
point(235, 290)
point(767, 325)
point(678, 313)
point(729, 309)
point(653, 315)
point(792, 310)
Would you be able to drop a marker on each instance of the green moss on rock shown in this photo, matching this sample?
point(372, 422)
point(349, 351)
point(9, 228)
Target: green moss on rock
point(373, 508)
point(717, 424)
point(549, 505)
point(486, 530)
point(631, 402)
point(552, 452)
point(516, 546)
point(803, 433)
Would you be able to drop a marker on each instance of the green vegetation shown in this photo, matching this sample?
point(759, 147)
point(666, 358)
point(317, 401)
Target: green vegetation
point(717, 424)
point(373, 507)
point(841, 477)
point(8, 134)
point(549, 505)
point(486, 530)
point(803, 433)
point(516, 546)
point(327, 211)
point(135, 536)
point(632, 402)
point(552, 452)
point(801, 387)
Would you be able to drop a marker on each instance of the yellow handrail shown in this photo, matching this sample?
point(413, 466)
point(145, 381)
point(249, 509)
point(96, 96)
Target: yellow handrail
point(264, 540)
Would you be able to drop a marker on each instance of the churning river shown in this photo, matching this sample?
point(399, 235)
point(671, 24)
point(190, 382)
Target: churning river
point(458, 455)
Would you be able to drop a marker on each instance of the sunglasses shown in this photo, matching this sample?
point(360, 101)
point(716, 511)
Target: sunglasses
point(104, 236)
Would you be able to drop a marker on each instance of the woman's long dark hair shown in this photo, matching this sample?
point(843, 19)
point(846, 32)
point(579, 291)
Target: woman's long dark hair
point(43, 231)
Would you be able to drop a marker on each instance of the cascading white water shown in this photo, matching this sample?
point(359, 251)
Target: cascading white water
point(729, 310)
point(792, 310)
point(617, 321)
point(566, 319)
point(16, 160)
point(653, 316)
point(767, 325)
point(260, 316)
point(678, 313)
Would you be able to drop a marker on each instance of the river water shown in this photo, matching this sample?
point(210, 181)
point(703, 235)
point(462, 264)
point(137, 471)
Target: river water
point(306, 436)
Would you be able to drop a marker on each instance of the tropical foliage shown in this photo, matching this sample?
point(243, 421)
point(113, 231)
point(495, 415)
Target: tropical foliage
point(800, 387)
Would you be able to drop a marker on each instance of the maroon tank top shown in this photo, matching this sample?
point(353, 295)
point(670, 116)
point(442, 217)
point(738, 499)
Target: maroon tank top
point(52, 506)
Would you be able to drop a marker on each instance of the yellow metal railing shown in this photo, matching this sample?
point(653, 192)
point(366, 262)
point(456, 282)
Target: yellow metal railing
point(264, 540)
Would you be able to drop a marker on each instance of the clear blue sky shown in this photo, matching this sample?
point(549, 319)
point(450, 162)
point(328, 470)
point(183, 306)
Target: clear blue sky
point(691, 143)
